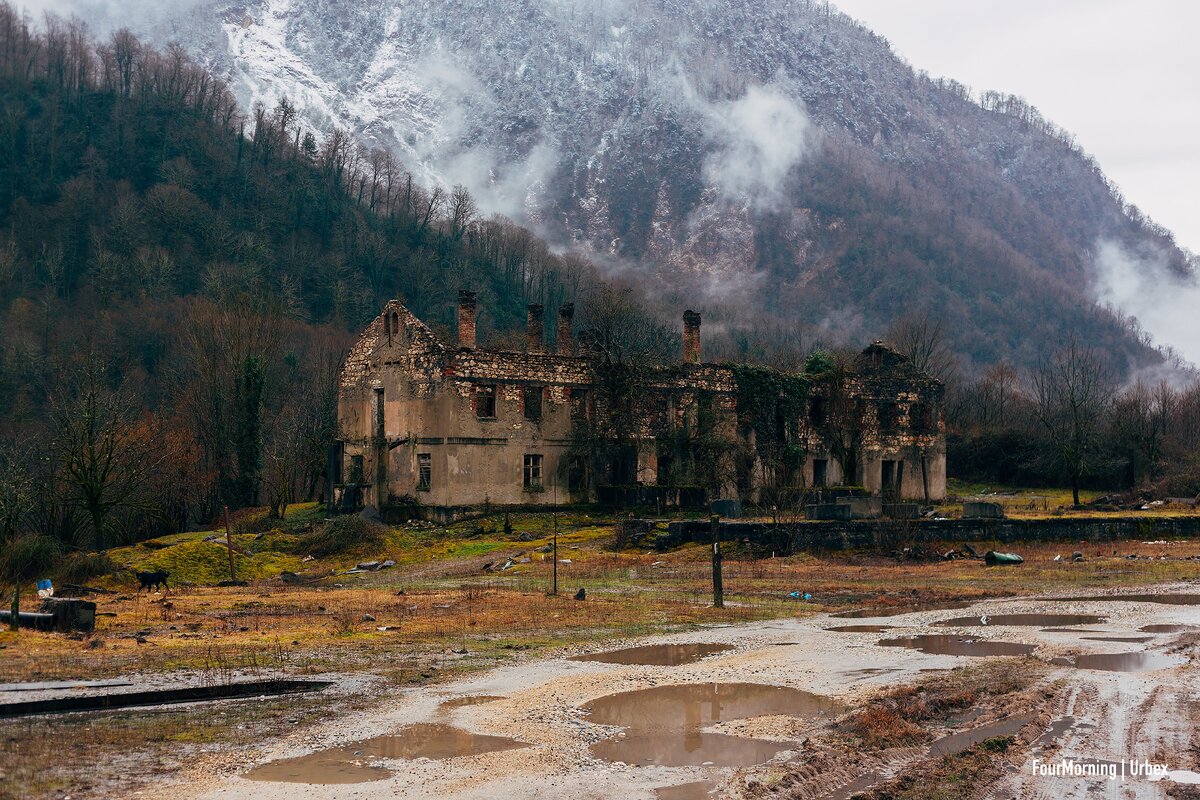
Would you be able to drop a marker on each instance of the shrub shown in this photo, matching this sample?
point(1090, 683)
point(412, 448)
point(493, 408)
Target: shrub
point(83, 567)
point(340, 535)
point(880, 726)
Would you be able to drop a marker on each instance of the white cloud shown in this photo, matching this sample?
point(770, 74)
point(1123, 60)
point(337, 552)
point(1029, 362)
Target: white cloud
point(1141, 285)
point(760, 137)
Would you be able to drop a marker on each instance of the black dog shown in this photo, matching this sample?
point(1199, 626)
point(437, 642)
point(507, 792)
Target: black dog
point(152, 579)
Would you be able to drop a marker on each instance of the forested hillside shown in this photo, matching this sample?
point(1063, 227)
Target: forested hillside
point(772, 160)
point(178, 283)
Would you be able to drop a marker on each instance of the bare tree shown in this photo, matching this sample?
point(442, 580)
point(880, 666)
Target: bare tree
point(1141, 418)
point(1073, 391)
point(922, 338)
point(107, 452)
point(462, 211)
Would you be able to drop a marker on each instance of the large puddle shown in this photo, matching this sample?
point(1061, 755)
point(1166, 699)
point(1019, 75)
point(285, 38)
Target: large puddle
point(860, 628)
point(893, 611)
point(355, 762)
point(1023, 620)
point(1127, 662)
point(657, 655)
point(1166, 628)
point(664, 725)
point(959, 646)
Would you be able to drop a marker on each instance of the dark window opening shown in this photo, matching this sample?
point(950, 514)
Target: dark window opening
point(921, 418)
point(380, 431)
point(356, 469)
point(532, 403)
point(576, 475)
point(424, 472)
point(892, 477)
point(820, 472)
point(889, 416)
point(816, 411)
point(485, 401)
point(666, 469)
point(579, 405)
point(532, 478)
point(623, 467)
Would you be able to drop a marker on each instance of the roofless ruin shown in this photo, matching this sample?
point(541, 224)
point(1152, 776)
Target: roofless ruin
point(447, 427)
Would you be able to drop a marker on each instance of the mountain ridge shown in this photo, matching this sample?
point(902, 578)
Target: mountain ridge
point(778, 160)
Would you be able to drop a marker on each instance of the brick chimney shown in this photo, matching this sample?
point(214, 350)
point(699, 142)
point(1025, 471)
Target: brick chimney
point(466, 319)
point(691, 337)
point(534, 329)
point(565, 346)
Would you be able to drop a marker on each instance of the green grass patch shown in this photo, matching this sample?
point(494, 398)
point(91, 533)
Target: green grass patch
point(205, 562)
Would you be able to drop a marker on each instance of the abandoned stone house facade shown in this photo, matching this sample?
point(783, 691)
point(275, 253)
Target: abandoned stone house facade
point(453, 425)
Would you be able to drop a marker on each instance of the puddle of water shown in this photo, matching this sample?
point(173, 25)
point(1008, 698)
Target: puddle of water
point(871, 613)
point(959, 646)
point(681, 706)
point(657, 655)
point(337, 765)
point(1165, 599)
point(1030, 620)
point(1117, 638)
point(352, 763)
point(470, 700)
point(664, 723)
point(1052, 734)
point(1140, 661)
point(860, 628)
point(957, 742)
point(1069, 630)
point(1166, 628)
point(697, 790)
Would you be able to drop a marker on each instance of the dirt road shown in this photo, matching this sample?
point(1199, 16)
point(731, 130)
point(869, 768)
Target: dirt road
point(1099, 716)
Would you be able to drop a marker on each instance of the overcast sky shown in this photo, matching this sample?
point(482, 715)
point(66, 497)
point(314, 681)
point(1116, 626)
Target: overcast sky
point(1122, 75)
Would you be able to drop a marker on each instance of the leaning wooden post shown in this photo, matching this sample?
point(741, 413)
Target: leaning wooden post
point(229, 545)
point(718, 588)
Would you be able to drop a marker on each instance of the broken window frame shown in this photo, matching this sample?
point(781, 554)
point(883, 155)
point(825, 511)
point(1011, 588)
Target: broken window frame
point(424, 472)
point(531, 476)
point(486, 401)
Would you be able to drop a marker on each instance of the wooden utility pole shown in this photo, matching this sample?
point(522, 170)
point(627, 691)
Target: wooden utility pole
point(229, 545)
point(555, 589)
point(718, 587)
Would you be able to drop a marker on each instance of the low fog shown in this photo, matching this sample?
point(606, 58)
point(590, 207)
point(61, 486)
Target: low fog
point(1141, 285)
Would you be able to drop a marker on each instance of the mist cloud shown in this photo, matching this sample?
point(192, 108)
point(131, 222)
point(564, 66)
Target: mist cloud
point(447, 152)
point(1140, 284)
point(760, 137)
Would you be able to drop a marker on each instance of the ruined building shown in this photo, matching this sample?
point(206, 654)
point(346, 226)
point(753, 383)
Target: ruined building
point(450, 425)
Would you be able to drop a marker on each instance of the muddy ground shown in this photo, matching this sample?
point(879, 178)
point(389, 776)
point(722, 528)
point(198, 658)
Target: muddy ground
point(1091, 715)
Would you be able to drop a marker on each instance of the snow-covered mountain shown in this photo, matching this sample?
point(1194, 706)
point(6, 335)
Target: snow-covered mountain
point(773, 155)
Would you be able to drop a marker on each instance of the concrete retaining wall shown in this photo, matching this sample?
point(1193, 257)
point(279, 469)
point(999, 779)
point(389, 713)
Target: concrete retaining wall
point(890, 535)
